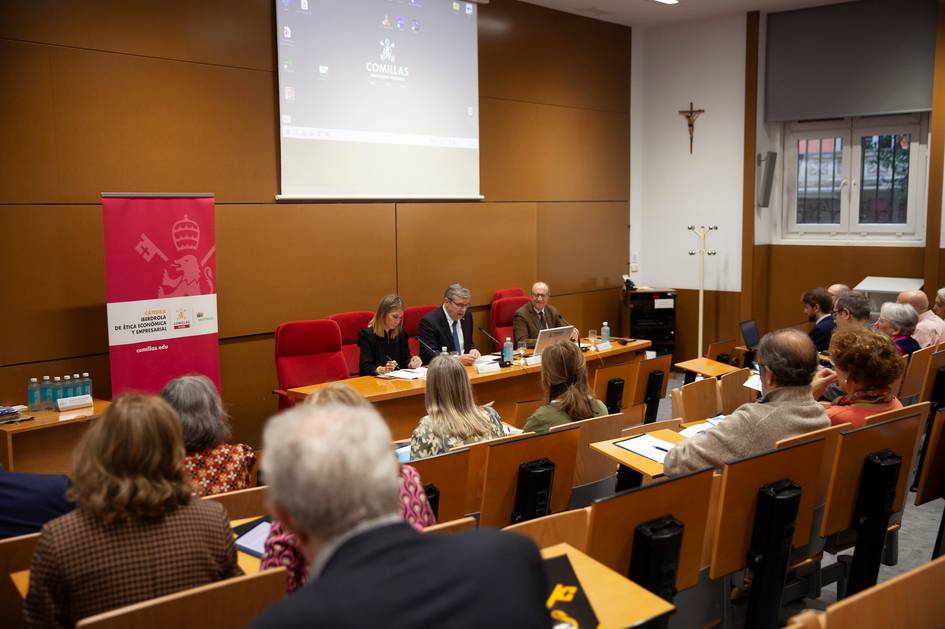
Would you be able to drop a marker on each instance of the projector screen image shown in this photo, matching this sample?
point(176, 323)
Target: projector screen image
point(378, 99)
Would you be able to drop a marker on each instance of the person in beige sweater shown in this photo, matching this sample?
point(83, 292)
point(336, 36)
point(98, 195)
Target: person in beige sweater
point(788, 361)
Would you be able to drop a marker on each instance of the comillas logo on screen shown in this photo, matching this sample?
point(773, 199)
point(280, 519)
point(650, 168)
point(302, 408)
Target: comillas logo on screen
point(387, 68)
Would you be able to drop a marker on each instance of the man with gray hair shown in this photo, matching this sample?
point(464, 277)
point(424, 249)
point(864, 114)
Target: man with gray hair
point(333, 481)
point(537, 315)
point(449, 326)
point(788, 360)
point(930, 330)
point(851, 311)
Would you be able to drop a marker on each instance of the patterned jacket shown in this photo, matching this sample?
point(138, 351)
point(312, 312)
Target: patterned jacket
point(424, 443)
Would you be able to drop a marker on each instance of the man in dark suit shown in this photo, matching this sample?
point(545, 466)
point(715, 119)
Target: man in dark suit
point(333, 481)
point(449, 326)
point(818, 307)
point(537, 315)
point(28, 501)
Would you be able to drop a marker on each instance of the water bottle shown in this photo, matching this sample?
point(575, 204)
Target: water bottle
point(56, 390)
point(605, 333)
point(33, 395)
point(86, 384)
point(67, 386)
point(507, 350)
point(45, 393)
point(76, 384)
point(443, 351)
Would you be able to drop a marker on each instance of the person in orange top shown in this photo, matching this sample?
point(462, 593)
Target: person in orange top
point(867, 364)
point(214, 466)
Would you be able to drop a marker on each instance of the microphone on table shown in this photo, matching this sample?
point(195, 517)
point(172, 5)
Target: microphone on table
point(420, 340)
point(502, 362)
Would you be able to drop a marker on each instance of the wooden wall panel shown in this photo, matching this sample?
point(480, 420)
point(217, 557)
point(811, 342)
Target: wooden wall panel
point(589, 310)
point(14, 379)
point(483, 246)
point(247, 378)
point(27, 162)
point(54, 273)
point(126, 123)
point(722, 315)
point(582, 246)
point(797, 268)
point(531, 152)
point(528, 53)
point(281, 262)
point(220, 32)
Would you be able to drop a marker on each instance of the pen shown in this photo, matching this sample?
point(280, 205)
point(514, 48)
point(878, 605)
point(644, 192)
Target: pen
point(661, 449)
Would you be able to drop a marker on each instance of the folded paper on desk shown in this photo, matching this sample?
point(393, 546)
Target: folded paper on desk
point(647, 446)
point(692, 431)
point(753, 382)
point(252, 542)
point(407, 374)
point(511, 430)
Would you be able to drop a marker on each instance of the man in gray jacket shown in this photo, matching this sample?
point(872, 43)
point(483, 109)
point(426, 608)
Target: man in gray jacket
point(788, 361)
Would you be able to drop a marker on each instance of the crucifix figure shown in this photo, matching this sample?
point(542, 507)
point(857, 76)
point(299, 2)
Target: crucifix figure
point(691, 115)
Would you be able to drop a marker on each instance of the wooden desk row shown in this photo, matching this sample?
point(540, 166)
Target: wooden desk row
point(45, 443)
point(401, 402)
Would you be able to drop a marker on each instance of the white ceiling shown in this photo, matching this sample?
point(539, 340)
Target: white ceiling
point(649, 12)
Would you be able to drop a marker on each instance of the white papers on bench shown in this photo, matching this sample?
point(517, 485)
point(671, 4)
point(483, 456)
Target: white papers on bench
point(647, 446)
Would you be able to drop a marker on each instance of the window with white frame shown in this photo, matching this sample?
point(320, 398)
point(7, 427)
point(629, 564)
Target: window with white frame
point(855, 179)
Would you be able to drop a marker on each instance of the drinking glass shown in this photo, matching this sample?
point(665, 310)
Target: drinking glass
point(592, 337)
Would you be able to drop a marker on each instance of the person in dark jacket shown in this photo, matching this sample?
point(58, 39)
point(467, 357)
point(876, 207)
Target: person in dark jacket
point(28, 501)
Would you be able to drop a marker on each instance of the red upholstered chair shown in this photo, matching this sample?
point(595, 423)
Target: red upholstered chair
point(502, 293)
point(412, 316)
point(503, 311)
point(307, 352)
point(350, 324)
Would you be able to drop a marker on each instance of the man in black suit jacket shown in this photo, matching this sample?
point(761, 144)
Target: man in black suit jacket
point(28, 501)
point(818, 306)
point(449, 326)
point(333, 481)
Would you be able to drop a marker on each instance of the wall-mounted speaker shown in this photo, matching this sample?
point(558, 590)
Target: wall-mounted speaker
point(767, 177)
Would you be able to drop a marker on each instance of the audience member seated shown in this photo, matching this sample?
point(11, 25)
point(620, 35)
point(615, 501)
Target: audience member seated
point(567, 396)
point(215, 467)
point(282, 548)
point(537, 315)
point(818, 306)
point(28, 501)
point(137, 532)
point(450, 327)
point(452, 418)
point(866, 364)
point(788, 360)
point(836, 290)
point(939, 306)
point(898, 321)
point(851, 311)
point(384, 344)
point(333, 482)
point(929, 330)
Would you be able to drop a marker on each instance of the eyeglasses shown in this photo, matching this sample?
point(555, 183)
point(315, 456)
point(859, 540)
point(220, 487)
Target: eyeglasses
point(461, 306)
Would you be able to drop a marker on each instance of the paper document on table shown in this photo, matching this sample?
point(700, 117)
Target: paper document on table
point(753, 382)
point(647, 446)
point(409, 374)
point(511, 430)
point(715, 421)
point(695, 430)
point(403, 453)
point(488, 358)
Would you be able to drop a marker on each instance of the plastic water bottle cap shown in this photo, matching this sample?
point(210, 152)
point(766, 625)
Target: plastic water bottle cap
point(57, 379)
point(75, 376)
point(605, 323)
point(34, 380)
point(85, 374)
point(67, 377)
point(45, 377)
point(508, 338)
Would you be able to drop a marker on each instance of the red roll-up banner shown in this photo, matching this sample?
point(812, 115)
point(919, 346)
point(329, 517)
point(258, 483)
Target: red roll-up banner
point(160, 278)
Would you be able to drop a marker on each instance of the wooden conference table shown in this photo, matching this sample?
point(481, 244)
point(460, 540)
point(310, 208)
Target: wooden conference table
point(45, 443)
point(401, 402)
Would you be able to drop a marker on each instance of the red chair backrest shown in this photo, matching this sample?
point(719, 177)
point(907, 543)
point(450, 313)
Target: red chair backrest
point(502, 293)
point(309, 352)
point(503, 311)
point(351, 323)
point(412, 316)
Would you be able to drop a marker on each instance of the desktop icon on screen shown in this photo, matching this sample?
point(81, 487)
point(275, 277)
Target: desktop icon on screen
point(304, 5)
point(386, 23)
point(469, 8)
point(287, 32)
point(415, 26)
point(401, 23)
point(289, 94)
point(286, 3)
point(456, 6)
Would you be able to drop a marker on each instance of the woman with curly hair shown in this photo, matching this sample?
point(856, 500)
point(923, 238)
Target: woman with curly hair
point(867, 364)
point(137, 532)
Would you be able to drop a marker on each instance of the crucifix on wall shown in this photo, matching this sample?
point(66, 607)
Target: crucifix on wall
point(690, 116)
